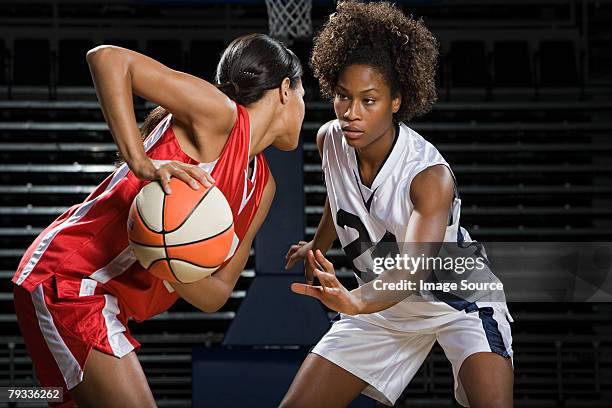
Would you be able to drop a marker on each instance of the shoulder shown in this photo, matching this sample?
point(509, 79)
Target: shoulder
point(227, 115)
point(322, 133)
point(432, 187)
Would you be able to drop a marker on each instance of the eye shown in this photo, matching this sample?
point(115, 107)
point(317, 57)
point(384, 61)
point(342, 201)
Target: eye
point(369, 101)
point(341, 96)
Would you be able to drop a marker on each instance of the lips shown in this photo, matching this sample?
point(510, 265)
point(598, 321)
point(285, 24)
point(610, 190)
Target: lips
point(352, 132)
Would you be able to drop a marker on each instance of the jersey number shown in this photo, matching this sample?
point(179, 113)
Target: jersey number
point(387, 246)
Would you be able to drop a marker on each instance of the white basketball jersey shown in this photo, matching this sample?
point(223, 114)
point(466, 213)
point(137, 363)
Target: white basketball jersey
point(365, 217)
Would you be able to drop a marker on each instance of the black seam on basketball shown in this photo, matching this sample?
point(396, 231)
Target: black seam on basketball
point(192, 210)
point(156, 261)
point(191, 263)
point(146, 245)
point(164, 237)
point(181, 244)
point(200, 240)
point(144, 221)
point(172, 270)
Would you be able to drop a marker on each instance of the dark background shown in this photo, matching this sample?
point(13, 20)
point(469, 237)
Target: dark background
point(524, 117)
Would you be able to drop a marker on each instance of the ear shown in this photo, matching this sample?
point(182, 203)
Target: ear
point(284, 90)
point(396, 103)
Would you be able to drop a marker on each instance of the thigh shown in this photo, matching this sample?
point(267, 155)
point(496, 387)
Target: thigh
point(109, 381)
point(487, 379)
point(321, 383)
point(479, 346)
point(358, 356)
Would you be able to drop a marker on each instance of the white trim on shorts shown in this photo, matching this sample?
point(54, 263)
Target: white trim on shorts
point(351, 341)
point(114, 328)
point(67, 364)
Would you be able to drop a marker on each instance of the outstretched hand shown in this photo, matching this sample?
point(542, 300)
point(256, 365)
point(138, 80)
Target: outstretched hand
point(331, 292)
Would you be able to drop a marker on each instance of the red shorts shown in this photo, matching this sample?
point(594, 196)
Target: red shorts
point(59, 333)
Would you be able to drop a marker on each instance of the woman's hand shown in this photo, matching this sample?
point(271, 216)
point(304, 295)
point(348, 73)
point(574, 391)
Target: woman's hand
point(331, 292)
point(299, 252)
point(163, 170)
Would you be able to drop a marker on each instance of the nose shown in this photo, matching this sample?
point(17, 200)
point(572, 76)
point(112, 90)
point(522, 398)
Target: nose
point(352, 112)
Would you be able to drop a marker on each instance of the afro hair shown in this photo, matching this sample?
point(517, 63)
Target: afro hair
point(379, 34)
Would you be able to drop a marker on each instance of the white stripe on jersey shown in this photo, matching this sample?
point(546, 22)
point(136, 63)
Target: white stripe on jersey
point(116, 267)
point(84, 208)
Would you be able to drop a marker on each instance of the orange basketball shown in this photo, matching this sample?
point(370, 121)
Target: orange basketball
point(183, 236)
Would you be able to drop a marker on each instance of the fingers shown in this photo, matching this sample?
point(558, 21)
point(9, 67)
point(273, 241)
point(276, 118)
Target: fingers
point(309, 274)
point(320, 258)
point(291, 251)
point(308, 290)
point(189, 174)
point(291, 261)
point(311, 261)
point(164, 180)
point(328, 280)
point(293, 255)
point(201, 175)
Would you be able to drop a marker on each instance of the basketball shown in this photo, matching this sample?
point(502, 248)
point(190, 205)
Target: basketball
point(183, 236)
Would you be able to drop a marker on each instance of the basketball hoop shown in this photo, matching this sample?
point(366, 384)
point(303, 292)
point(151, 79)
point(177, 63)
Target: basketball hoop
point(288, 19)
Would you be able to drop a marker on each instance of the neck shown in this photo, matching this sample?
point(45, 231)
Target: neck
point(261, 117)
point(372, 156)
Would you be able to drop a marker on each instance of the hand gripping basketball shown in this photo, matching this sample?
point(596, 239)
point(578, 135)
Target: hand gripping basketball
point(164, 170)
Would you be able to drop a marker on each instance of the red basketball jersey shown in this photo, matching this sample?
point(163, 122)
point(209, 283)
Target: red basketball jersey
point(87, 250)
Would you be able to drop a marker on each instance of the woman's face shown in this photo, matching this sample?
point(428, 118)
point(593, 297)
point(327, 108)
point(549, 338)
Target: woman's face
point(292, 118)
point(363, 104)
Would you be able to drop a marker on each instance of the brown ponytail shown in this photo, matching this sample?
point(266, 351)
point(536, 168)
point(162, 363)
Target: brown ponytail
point(152, 120)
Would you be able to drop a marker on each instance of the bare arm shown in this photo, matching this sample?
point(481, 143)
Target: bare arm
point(432, 195)
point(325, 235)
point(118, 73)
point(211, 293)
point(326, 232)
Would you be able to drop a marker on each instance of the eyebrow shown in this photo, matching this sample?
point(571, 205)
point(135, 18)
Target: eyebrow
point(364, 91)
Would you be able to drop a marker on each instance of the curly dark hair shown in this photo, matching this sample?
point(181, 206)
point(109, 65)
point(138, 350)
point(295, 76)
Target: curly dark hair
point(379, 34)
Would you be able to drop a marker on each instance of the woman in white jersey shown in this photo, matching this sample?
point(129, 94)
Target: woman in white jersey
point(387, 185)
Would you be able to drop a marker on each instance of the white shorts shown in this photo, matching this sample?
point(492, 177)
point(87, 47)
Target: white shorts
point(388, 359)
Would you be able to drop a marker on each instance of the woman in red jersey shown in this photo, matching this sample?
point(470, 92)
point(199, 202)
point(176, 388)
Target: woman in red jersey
point(79, 282)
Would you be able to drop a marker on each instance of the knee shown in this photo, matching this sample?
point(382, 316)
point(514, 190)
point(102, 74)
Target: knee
point(292, 401)
point(497, 400)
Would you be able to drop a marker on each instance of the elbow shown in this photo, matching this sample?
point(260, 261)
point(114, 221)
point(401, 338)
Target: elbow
point(214, 305)
point(210, 308)
point(97, 53)
point(106, 57)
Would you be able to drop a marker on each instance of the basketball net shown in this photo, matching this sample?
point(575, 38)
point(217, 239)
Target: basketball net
point(288, 19)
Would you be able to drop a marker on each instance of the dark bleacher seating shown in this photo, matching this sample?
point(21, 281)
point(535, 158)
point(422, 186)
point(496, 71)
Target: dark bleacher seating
point(512, 64)
point(302, 49)
point(204, 56)
point(4, 61)
point(73, 69)
point(32, 62)
point(441, 69)
point(123, 42)
point(558, 64)
point(168, 52)
point(468, 64)
point(526, 171)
